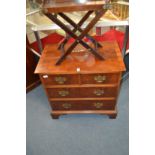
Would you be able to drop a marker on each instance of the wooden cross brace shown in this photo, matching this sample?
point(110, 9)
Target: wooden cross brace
point(84, 33)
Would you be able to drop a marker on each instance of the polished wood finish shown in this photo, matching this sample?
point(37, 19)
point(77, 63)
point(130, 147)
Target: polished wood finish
point(82, 92)
point(52, 79)
point(54, 7)
point(98, 92)
point(82, 99)
point(85, 61)
point(82, 84)
point(84, 105)
point(110, 113)
point(58, 92)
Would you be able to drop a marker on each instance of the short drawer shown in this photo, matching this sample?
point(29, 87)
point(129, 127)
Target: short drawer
point(59, 79)
point(98, 92)
point(62, 92)
point(84, 105)
point(100, 78)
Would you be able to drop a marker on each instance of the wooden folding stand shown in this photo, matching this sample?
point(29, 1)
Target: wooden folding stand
point(82, 84)
point(52, 10)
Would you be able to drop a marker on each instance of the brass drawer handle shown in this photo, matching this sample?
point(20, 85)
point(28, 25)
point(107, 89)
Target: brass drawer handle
point(63, 93)
point(60, 80)
point(98, 92)
point(66, 105)
point(98, 105)
point(100, 78)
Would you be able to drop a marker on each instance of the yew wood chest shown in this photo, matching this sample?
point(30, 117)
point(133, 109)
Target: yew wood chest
point(82, 84)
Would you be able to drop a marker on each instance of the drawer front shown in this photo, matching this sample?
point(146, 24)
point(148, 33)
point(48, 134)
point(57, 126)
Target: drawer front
point(62, 92)
point(98, 92)
point(59, 79)
point(82, 92)
point(84, 105)
point(100, 78)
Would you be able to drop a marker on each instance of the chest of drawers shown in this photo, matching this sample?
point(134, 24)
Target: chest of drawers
point(82, 84)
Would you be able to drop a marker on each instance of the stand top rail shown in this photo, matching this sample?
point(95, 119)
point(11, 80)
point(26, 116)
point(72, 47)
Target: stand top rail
point(75, 5)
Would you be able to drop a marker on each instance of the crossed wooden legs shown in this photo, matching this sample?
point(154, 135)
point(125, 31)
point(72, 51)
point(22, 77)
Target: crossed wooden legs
point(71, 33)
point(77, 27)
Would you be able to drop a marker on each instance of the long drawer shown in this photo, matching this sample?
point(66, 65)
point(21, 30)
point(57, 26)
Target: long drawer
point(110, 78)
point(84, 92)
point(84, 105)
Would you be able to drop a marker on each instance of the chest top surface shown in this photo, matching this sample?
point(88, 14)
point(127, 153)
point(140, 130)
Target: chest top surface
point(73, 5)
point(84, 61)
